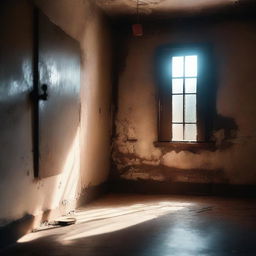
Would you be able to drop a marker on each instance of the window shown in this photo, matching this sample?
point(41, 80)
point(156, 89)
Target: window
point(186, 96)
point(184, 82)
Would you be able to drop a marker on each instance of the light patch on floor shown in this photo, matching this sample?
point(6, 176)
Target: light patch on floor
point(101, 220)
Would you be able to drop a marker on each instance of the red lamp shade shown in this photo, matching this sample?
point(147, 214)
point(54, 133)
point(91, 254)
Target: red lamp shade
point(137, 30)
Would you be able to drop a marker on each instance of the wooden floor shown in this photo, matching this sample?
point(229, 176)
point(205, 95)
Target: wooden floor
point(151, 226)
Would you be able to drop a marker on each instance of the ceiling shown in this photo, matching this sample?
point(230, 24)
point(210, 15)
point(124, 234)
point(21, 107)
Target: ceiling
point(160, 7)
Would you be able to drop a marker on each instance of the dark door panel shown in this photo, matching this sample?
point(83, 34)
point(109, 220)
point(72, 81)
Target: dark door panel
point(59, 103)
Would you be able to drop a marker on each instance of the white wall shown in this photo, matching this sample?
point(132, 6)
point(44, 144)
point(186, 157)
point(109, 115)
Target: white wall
point(87, 163)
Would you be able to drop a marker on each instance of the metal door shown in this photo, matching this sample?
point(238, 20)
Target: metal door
point(57, 76)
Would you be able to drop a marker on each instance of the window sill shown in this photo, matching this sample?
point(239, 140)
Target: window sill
point(186, 146)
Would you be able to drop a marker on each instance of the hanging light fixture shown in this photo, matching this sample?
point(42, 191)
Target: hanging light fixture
point(137, 28)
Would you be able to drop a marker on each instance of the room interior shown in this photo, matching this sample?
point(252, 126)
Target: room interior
point(135, 119)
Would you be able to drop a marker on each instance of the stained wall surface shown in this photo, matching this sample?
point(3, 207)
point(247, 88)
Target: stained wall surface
point(136, 158)
point(87, 161)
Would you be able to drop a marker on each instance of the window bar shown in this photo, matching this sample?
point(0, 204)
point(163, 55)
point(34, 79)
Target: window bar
point(182, 123)
point(177, 77)
point(188, 93)
point(184, 97)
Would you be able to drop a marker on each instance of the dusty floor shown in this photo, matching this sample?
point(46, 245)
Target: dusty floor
point(151, 225)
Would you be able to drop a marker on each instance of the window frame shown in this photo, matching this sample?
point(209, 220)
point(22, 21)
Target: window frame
point(206, 95)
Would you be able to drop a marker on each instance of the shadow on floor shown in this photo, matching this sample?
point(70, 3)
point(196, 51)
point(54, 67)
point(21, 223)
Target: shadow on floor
point(13, 231)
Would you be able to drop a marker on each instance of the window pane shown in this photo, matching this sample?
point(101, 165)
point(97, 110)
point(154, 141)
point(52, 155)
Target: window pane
point(177, 132)
point(190, 108)
point(190, 132)
point(177, 108)
point(191, 65)
point(190, 85)
point(177, 85)
point(177, 66)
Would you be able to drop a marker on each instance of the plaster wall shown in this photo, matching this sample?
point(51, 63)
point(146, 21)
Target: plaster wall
point(136, 158)
point(87, 162)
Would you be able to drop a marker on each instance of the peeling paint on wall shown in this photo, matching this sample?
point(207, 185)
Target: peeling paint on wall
point(230, 160)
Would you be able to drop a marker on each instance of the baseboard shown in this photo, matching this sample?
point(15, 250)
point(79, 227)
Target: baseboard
point(182, 188)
